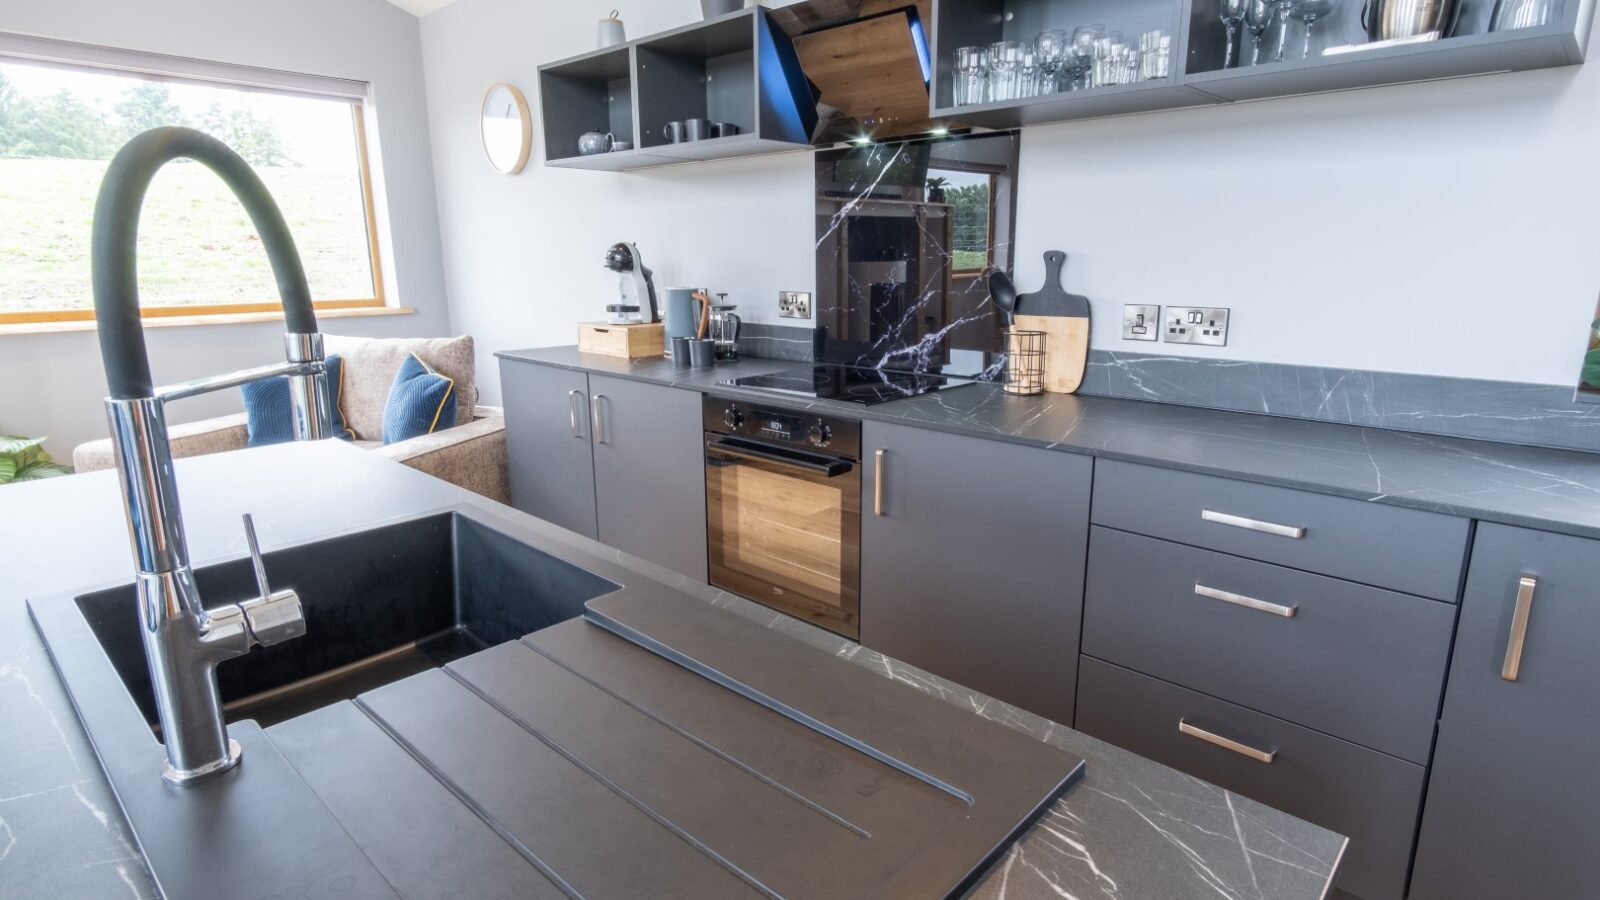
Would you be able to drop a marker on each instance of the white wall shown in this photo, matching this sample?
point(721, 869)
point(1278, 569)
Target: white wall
point(1443, 228)
point(523, 254)
point(52, 384)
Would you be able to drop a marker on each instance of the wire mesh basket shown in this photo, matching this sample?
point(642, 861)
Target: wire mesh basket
point(1024, 362)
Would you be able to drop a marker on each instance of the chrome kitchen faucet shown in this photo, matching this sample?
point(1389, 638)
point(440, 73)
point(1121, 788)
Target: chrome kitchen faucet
point(183, 640)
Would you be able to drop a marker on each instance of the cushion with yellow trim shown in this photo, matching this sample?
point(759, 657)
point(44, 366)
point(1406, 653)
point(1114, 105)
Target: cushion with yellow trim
point(268, 418)
point(421, 402)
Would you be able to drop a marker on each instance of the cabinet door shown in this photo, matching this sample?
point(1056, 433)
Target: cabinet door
point(1516, 784)
point(972, 566)
point(650, 476)
point(547, 442)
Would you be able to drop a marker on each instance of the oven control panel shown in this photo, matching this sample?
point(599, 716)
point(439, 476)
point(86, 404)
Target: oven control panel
point(786, 427)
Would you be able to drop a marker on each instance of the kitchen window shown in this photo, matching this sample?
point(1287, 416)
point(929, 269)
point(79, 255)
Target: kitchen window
point(65, 109)
point(971, 197)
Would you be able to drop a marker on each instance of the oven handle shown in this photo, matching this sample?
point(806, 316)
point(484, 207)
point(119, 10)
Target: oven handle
point(826, 466)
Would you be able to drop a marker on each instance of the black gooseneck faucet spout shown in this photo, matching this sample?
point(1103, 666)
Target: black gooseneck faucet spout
point(184, 640)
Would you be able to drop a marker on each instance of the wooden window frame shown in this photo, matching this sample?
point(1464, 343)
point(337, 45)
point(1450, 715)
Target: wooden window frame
point(220, 310)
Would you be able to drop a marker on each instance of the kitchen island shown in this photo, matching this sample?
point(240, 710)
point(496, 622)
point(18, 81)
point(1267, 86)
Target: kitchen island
point(1130, 828)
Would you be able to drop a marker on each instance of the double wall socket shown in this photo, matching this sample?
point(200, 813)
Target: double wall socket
point(1196, 325)
point(794, 305)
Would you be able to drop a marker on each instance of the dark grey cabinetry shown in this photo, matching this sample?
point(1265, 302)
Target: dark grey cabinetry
point(649, 470)
point(972, 561)
point(615, 460)
point(1512, 803)
point(547, 438)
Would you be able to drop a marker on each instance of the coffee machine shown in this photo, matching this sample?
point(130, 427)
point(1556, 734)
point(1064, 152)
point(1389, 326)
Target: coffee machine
point(636, 287)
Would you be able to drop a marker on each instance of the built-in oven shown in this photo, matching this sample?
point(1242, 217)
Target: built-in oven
point(783, 510)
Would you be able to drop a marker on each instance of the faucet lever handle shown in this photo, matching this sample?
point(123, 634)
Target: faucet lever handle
point(255, 557)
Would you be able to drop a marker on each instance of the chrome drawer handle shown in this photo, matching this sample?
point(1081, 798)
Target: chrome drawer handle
point(1276, 609)
point(1265, 756)
point(877, 482)
point(596, 423)
point(1512, 667)
point(1288, 531)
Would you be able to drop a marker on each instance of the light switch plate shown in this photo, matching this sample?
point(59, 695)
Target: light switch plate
point(1141, 323)
point(794, 305)
point(1196, 325)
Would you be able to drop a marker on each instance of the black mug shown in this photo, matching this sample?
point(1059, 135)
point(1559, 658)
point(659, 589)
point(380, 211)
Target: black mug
point(724, 129)
point(696, 129)
point(673, 132)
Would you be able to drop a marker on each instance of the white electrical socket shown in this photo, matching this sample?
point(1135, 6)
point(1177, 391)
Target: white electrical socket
point(794, 305)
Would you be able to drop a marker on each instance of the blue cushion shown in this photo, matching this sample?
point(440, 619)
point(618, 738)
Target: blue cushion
point(418, 402)
point(269, 418)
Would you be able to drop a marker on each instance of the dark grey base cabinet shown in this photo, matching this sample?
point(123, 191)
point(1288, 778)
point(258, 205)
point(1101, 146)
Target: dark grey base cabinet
point(1513, 807)
point(547, 440)
point(972, 562)
point(615, 460)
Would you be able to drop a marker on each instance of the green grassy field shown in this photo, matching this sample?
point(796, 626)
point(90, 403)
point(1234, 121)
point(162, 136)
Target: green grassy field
point(196, 245)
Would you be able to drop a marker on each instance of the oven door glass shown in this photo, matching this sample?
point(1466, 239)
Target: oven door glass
point(784, 529)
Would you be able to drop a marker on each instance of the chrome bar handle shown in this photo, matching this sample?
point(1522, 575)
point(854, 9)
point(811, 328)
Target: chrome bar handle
point(1264, 756)
point(877, 482)
point(1276, 609)
point(597, 422)
point(1221, 518)
point(195, 387)
point(1512, 667)
point(573, 399)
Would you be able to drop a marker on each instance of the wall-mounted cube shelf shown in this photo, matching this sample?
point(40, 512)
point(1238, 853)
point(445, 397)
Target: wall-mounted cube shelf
point(738, 69)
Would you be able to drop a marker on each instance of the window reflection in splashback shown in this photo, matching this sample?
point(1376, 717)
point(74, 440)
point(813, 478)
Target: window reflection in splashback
point(1589, 377)
point(906, 233)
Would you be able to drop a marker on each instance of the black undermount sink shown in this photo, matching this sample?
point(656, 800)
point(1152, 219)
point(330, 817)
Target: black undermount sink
point(380, 606)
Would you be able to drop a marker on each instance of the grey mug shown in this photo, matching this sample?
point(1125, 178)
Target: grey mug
point(724, 129)
point(696, 129)
point(673, 132)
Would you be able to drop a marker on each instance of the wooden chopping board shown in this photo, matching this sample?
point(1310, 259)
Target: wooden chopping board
point(1066, 349)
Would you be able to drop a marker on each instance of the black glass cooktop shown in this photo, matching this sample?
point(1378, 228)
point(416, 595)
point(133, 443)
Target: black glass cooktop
point(850, 384)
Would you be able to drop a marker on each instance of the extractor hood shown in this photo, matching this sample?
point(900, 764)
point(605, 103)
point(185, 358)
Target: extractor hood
point(869, 62)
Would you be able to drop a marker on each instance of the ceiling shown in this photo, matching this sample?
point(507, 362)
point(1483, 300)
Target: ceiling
point(421, 7)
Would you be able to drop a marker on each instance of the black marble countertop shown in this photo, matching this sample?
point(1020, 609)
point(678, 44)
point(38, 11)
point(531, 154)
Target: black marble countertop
point(1554, 490)
point(1130, 829)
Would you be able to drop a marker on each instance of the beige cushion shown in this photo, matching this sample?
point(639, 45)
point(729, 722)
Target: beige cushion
point(370, 365)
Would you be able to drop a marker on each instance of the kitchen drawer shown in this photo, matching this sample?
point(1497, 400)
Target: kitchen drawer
point(1403, 549)
point(1358, 662)
point(1369, 797)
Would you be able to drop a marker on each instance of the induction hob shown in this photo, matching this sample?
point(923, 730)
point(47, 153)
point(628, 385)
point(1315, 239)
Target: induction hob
point(849, 384)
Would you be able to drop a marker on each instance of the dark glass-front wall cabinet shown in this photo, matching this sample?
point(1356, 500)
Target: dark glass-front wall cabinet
point(612, 459)
point(739, 70)
point(972, 556)
point(1513, 805)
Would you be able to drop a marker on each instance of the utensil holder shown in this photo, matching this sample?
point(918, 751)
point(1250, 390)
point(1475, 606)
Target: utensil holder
point(702, 353)
point(1024, 362)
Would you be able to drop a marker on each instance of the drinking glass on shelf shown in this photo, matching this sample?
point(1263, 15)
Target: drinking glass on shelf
point(1028, 82)
point(972, 76)
point(1510, 15)
point(1050, 48)
point(1084, 39)
point(1232, 14)
point(1309, 11)
point(1005, 69)
point(1257, 19)
point(1283, 9)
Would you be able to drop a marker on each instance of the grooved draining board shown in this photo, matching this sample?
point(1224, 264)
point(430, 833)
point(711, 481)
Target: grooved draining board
point(663, 748)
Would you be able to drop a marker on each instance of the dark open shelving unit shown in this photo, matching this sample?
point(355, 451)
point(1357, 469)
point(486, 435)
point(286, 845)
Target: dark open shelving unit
point(1198, 78)
point(738, 68)
point(742, 68)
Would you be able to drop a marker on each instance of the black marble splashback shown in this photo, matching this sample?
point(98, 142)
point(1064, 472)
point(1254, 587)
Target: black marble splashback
point(905, 233)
